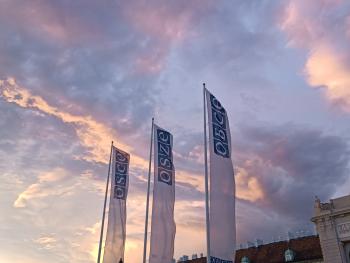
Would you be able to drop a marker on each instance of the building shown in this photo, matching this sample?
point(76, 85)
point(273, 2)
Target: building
point(304, 249)
point(332, 222)
point(331, 245)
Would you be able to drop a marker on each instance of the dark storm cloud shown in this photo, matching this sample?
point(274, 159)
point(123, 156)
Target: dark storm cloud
point(292, 164)
point(257, 222)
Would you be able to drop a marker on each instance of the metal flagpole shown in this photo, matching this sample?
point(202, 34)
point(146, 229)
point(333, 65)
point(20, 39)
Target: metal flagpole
point(148, 190)
point(104, 206)
point(206, 176)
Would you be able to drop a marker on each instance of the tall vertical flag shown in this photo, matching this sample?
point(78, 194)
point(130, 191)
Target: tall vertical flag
point(163, 225)
point(222, 230)
point(115, 239)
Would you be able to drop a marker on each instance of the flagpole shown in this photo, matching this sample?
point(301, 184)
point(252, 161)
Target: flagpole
point(148, 190)
point(206, 176)
point(104, 206)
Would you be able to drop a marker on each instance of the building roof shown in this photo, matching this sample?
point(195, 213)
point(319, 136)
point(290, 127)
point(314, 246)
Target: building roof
point(305, 248)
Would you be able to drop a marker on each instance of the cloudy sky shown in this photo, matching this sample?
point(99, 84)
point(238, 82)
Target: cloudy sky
point(75, 75)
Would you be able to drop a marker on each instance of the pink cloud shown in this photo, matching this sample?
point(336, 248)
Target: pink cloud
point(319, 27)
point(327, 67)
point(248, 186)
point(44, 187)
point(162, 24)
point(159, 20)
point(48, 21)
point(307, 22)
point(94, 135)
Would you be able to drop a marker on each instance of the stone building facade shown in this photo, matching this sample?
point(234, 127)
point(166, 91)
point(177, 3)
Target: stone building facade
point(332, 222)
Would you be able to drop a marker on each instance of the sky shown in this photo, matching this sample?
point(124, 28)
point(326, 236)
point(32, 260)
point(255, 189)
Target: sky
point(75, 75)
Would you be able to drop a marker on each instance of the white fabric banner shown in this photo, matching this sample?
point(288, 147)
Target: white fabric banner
point(163, 225)
point(115, 239)
point(222, 185)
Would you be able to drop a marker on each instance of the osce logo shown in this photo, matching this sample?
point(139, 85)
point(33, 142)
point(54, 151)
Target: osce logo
point(165, 163)
point(121, 173)
point(218, 260)
point(219, 126)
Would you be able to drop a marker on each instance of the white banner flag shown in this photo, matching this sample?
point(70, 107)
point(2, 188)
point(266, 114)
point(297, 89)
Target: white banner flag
point(163, 225)
point(222, 185)
point(115, 240)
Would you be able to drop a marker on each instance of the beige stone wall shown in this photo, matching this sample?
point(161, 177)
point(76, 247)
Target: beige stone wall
point(329, 219)
point(328, 239)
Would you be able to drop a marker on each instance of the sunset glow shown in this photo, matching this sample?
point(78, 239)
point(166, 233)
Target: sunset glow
point(77, 75)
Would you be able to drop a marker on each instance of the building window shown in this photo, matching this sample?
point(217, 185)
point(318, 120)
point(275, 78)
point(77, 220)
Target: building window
point(245, 260)
point(347, 250)
point(289, 255)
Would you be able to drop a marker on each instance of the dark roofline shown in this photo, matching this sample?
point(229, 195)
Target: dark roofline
point(305, 248)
